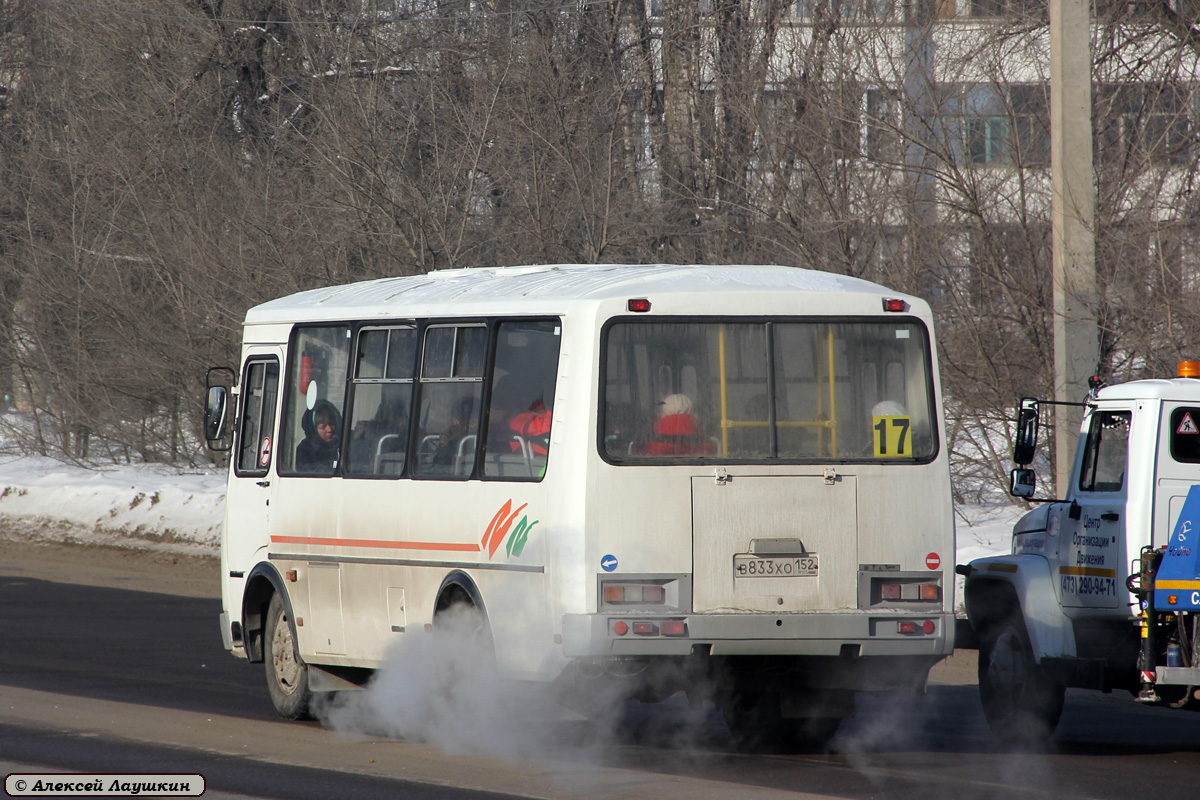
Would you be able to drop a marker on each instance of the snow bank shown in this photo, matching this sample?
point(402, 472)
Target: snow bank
point(143, 507)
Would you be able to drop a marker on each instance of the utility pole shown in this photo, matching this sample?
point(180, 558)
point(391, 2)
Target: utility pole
point(919, 110)
point(1073, 214)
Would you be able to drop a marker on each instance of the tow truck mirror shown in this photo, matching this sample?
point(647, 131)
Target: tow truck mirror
point(1022, 483)
point(1025, 442)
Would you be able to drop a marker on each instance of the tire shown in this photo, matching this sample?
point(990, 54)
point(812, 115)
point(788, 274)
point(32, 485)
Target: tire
point(1021, 702)
point(756, 724)
point(459, 620)
point(287, 675)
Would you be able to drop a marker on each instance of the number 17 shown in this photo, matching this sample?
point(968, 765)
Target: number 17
point(892, 439)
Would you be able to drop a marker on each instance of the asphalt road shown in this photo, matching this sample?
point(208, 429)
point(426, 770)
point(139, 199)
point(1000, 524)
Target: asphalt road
point(98, 679)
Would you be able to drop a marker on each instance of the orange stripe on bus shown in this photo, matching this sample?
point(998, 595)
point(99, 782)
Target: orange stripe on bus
point(456, 547)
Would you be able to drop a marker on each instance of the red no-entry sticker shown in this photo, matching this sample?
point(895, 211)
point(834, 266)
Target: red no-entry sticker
point(933, 561)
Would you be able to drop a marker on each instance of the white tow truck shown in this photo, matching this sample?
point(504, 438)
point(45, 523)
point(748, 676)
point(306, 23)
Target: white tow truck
point(1101, 589)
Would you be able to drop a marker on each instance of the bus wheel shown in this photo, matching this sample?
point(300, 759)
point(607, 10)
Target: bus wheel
point(756, 723)
point(287, 675)
point(1021, 702)
point(457, 615)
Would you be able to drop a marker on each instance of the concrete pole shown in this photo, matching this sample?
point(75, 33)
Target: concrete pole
point(1073, 212)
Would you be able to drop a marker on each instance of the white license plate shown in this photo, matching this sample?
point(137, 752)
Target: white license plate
point(751, 566)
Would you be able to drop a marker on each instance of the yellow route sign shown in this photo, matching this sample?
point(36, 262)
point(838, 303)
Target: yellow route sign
point(892, 436)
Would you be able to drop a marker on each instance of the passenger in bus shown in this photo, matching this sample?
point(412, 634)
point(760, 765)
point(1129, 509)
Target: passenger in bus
point(533, 426)
point(450, 442)
point(677, 431)
point(515, 422)
point(377, 444)
point(319, 450)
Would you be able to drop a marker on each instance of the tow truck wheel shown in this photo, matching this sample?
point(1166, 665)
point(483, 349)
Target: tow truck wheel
point(1021, 702)
point(287, 675)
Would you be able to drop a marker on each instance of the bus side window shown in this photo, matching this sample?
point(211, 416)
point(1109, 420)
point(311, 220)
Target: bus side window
point(260, 389)
point(318, 362)
point(451, 386)
point(522, 400)
point(384, 367)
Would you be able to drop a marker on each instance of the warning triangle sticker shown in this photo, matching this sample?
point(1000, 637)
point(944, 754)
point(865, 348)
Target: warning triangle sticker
point(1186, 425)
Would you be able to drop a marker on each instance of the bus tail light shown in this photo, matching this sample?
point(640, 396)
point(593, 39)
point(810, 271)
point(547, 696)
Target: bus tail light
point(628, 592)
point(674, 627)
point(906, 590)
point(647, 627)
point(911, 628)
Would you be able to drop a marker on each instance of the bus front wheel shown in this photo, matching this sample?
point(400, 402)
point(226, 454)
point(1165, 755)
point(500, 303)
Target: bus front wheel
point(287, 675)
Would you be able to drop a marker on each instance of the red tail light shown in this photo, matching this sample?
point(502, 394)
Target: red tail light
point(673, 627)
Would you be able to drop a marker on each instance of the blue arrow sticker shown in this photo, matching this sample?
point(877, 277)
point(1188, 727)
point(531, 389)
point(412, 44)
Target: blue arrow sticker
point(608, 563)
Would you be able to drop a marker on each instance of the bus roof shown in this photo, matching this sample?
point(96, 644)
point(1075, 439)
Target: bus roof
point(490, 290)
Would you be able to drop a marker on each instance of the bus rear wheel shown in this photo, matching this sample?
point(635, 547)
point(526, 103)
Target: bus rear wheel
point(287, 675)
point(756, 723)
point(1021, 702)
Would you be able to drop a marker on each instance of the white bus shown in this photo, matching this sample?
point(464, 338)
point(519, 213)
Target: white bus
point(724, 480)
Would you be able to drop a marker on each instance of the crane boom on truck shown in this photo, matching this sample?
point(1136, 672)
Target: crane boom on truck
point(1101, 589)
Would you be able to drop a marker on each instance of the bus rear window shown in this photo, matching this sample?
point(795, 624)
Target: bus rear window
point(793, 390)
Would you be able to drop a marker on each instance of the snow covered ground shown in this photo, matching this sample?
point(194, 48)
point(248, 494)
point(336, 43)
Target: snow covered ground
point(160, 508)
point(142, 507)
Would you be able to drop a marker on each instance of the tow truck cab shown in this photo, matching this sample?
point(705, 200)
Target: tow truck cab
point(1072, 605)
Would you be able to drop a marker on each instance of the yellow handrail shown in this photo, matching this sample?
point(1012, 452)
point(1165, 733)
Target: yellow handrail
point(724, 396)
point(821, 425)
point(832, 399)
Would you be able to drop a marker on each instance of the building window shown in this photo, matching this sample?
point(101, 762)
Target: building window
point(998, 125)
point(987, 125)
point(846, 10)
point(1008, 8)
point(883, 125)
point(1142, 122)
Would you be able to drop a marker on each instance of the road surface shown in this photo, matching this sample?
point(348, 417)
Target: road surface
point(102, 670)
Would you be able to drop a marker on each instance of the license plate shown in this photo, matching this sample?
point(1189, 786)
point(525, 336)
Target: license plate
point(751, 566)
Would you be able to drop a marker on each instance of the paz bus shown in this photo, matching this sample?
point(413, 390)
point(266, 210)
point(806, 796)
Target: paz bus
point(724, 480)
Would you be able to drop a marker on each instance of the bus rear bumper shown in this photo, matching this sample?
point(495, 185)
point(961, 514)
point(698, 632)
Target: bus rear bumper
point(851, 635)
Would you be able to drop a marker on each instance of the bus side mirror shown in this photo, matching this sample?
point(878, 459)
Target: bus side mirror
point(217, 430)
point(1022, 483)
point(215, 407)
point(1025, 443)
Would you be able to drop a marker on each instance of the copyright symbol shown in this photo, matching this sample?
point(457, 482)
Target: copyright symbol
point(20, 786)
